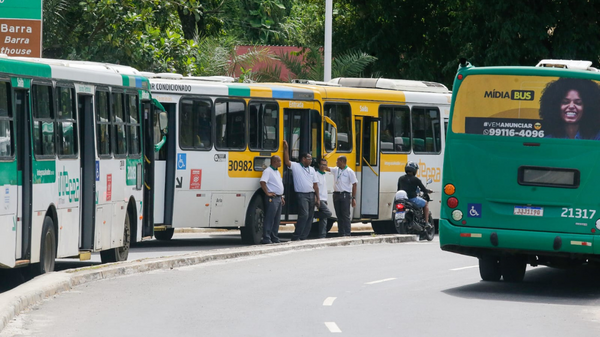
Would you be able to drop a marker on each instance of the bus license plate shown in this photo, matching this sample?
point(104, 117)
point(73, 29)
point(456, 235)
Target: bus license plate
point(399, 215)
point(529, 211)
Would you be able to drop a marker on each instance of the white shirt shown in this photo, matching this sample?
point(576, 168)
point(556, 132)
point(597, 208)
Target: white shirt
point(304, 178)
point(322, 183)
point(273, 180)
point(343, 179)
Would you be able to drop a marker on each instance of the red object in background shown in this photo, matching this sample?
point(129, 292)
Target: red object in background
point(108, 187)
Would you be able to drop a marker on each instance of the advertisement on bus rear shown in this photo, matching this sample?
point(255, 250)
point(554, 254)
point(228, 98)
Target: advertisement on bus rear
point(528, 107)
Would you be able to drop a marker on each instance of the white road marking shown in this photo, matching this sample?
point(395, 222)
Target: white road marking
point(463, 268)
point(332, 327)
point(329, 301)
point(385, 280)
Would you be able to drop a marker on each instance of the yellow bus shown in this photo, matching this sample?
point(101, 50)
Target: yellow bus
point(225, 133)
point(381, 125)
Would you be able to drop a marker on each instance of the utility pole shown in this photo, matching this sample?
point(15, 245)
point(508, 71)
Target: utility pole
point(328, 33)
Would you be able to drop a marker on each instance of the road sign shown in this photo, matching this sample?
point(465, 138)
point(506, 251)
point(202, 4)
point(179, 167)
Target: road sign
point(21, 28)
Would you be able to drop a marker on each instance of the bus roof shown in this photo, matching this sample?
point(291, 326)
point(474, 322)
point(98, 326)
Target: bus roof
point(390, 84)
point(187, 85)
point(80, 71)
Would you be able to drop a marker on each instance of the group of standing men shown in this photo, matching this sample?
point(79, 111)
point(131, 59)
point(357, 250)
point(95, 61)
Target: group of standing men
point(311, 191)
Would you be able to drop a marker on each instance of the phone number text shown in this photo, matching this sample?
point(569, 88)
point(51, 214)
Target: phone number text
point(514, 133)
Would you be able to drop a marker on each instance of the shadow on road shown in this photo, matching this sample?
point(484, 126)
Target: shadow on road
point(577, 286)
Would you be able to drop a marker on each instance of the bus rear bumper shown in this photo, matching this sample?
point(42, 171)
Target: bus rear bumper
point(478, 241)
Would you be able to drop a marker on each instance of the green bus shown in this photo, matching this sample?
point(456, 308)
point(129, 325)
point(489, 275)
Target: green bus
point(521, 167)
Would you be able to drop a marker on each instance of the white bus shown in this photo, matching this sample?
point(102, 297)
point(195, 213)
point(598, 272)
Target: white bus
point(225, 133)
point(73, 143)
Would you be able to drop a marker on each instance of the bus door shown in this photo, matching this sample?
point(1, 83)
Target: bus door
point(370, 164)
point(24, 178)
point(297, 132)
point(88, 176)
point(148, 123)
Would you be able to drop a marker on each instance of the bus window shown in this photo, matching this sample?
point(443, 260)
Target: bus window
point(6, 123)
point(264, 121)
point(119, 120)
point(230, 125)
point(426, 136)
point(103, 128)
point(195, 126)
point(66, 123)
point(395, 129)
point(341, 115)
point(133, 133)
point(43, 121)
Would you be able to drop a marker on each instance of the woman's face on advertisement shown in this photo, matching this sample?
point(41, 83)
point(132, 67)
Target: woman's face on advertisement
point(571, 107)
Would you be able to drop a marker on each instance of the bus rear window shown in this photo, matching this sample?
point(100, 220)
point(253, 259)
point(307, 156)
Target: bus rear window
point(528, 106)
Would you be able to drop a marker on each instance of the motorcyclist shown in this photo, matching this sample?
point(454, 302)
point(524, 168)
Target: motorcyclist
point(409, 183)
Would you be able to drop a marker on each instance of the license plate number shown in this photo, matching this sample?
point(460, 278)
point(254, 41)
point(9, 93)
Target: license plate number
point(529, 211)
point(399, 215)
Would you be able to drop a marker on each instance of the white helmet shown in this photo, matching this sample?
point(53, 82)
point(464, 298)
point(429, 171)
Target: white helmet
point(401, 195)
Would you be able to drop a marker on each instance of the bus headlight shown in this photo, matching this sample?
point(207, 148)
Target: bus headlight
point(598, 223)
point(457, 215)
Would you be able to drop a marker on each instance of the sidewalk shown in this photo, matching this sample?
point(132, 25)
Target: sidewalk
point(356, 227)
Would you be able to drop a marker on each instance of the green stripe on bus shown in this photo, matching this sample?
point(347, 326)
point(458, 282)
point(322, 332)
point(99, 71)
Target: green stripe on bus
point(25, 68)
point(239, 91)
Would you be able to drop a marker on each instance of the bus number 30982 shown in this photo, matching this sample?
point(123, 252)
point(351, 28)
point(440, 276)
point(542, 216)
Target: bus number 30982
point(240, 165)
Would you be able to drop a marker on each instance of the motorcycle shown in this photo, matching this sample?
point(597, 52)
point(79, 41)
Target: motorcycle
point(409, 218)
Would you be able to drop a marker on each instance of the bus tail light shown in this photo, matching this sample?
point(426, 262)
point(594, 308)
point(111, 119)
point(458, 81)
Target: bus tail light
point(449, 189)
point(400, 207)
point(452, 202)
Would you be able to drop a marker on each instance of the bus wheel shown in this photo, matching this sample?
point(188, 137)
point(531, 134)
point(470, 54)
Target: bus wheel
point(165, 235)
point(120, 253)
point(330, 223)
point(489, 268)
point(252, 232)
point(513, 268)
point(47, 249)
point(379, 227)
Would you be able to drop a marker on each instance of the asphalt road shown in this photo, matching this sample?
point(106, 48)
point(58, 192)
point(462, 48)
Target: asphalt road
point(180, 244)
point(409, 289)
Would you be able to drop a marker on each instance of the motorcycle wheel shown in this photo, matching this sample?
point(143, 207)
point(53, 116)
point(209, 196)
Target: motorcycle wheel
point(400, 227)
point(429, 233)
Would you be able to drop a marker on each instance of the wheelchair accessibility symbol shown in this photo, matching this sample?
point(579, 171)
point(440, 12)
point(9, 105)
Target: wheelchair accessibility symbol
point(181, 161)
point(474, 211)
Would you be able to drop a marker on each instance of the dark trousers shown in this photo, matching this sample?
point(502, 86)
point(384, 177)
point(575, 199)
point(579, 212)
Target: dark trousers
point(272, 218)
point(341, 203)
point(323, 214)
point(306, 211)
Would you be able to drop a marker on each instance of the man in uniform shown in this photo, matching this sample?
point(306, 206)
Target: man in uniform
point(344, 194)
point(307, 190)
point(272, 186)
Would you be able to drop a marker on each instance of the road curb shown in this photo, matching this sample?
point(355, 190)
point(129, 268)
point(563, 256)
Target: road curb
point(13, 302)
point(285, 229)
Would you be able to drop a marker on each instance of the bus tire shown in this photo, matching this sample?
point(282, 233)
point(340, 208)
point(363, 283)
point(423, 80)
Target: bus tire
point(165, 235)
point(489, 268)
point(252, 232)
point(47, 249)
point(120, 253)
point(513, 268)
point(379, 227)
point(330, 223)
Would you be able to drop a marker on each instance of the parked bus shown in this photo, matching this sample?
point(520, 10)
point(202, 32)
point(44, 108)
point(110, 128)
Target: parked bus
point(382, 124)
point(520, 168)
point(72, 144)
point(223, 137)
point(226, 132)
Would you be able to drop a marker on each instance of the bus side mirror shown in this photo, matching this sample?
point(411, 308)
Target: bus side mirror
point(163, 121)
point(330, 137)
